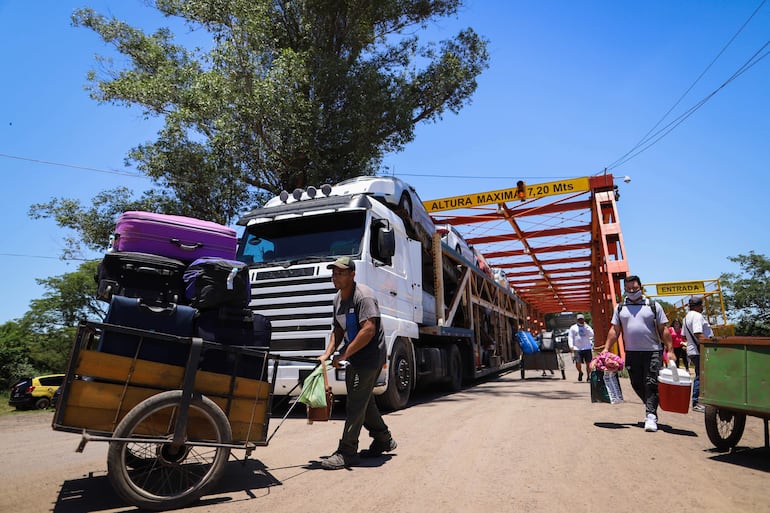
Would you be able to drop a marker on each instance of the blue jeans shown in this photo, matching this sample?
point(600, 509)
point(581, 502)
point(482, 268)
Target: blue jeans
point(695, 360)
point(361, 410)
point(643, 367)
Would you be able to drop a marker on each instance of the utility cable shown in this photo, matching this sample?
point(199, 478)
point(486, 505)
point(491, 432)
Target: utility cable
point(646, 137)
point(660, 134)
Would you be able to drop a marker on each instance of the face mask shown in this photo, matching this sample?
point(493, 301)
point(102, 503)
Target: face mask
point(634, 296)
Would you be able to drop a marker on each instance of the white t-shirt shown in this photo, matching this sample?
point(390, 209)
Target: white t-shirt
point(696, 323)
point(579, 337)
point(639, 325)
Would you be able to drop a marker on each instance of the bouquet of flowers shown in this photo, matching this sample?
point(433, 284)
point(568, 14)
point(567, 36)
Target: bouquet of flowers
point(607, 362)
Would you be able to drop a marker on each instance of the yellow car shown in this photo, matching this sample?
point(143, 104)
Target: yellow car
point(35, 392)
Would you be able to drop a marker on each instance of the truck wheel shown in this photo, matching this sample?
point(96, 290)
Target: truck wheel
point(723, 427)
point(400, 378)
point(455, 369)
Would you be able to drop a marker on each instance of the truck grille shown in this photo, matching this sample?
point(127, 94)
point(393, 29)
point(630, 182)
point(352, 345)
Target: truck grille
point(298, 304)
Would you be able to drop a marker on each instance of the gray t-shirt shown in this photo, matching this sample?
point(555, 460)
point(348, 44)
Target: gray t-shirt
point(349, 314)
point(639, 325)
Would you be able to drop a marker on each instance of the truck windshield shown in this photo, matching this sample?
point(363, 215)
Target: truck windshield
point(301, 239)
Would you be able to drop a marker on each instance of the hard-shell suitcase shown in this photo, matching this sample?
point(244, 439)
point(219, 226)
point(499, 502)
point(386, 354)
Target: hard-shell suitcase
point(183, 238)
point(141, 275)
point(171, 319)
point(233, 327)
point(214, 282)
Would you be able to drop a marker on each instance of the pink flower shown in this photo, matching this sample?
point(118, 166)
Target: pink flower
point(607, 362)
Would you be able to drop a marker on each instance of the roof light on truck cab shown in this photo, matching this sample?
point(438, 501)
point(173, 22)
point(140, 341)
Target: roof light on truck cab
point(309, 193)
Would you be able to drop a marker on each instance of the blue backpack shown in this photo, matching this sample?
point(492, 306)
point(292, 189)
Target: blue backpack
point(527, 342)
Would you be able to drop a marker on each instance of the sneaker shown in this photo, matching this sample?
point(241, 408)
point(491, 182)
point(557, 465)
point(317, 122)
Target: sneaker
point(376, 448)
point(338, 461)
point(580, 376)
point(698, 407)
point(651, 423)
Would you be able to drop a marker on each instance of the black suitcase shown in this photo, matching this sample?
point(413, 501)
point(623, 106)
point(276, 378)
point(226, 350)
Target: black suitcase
point(171, 319)
point(141, 275)
point(214, 282)
point(233, 327)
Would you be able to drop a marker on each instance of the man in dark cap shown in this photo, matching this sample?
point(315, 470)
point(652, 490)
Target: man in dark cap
point(357, 325)
point(696, 330)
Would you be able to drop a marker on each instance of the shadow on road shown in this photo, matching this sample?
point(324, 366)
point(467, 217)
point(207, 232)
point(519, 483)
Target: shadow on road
point(661, 427)
point(754, 458)
point(94, 493)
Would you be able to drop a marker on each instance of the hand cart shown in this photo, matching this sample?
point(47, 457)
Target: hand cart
point(734, 384)
point(170, 428)
point(543, 360)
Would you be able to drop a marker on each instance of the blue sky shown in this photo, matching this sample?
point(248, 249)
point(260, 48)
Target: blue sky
point(572, 86)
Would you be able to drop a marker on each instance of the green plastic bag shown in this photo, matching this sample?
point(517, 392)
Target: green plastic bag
point(313, 391)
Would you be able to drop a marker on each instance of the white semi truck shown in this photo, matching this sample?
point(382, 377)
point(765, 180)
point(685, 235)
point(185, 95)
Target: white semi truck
point(444, 320)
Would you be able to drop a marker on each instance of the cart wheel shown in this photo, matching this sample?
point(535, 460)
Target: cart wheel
point(563, 374)
point(522, 371)
point(724, 428)
point(168, 477)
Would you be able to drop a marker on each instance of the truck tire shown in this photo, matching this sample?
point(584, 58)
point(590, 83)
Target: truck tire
point(455, 360)
point(400, 378)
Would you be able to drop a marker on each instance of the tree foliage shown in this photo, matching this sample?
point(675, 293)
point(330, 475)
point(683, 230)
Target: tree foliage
point(747, 294)
point(284, 94)
point(40, 341)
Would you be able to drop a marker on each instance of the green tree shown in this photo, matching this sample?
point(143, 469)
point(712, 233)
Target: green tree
point(747, 294)
point(14, 353)
point(288, 94)
point(40, 341)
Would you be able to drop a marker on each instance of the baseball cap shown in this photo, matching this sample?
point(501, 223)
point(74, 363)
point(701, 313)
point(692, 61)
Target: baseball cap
point(696, 300)
point(344, 262)
point(581, 316)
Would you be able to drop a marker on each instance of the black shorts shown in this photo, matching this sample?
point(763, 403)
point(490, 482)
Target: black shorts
point(584, 355)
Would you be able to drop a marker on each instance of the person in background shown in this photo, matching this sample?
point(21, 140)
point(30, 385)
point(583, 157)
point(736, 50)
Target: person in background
point(679, 343)
point(357, 325)
point(580, 340)
point(643, 325)
point(697, 330)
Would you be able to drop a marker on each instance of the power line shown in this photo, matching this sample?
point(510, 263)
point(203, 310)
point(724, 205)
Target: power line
point(48, 257)
point(660, 134)
point(83, 168)
point(649, 135)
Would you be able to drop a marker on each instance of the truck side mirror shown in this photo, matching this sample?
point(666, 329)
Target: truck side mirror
point(386, 242)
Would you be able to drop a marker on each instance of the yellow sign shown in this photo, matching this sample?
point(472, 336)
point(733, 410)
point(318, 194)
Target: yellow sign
point(681, 288)
point(505, 195)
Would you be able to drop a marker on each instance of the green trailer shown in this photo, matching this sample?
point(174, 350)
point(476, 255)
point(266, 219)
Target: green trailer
point(734, 383)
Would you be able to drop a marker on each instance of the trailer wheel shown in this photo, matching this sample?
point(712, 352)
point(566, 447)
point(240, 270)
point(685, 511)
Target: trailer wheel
point(724, 427)
point(153, 474)
point(400, 378)
point(455, 369)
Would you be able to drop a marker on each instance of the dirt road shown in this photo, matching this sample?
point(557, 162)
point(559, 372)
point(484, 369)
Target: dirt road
point(537, 445)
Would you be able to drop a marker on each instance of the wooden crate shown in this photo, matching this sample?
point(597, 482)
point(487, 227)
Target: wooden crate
point(109, 386)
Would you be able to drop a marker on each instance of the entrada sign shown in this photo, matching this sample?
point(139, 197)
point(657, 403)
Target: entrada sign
point(681, 288)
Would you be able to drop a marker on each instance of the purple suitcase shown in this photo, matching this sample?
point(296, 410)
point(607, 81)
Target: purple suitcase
point(183, 238)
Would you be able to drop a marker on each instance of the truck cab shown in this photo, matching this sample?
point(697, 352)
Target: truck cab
point(288, 246)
